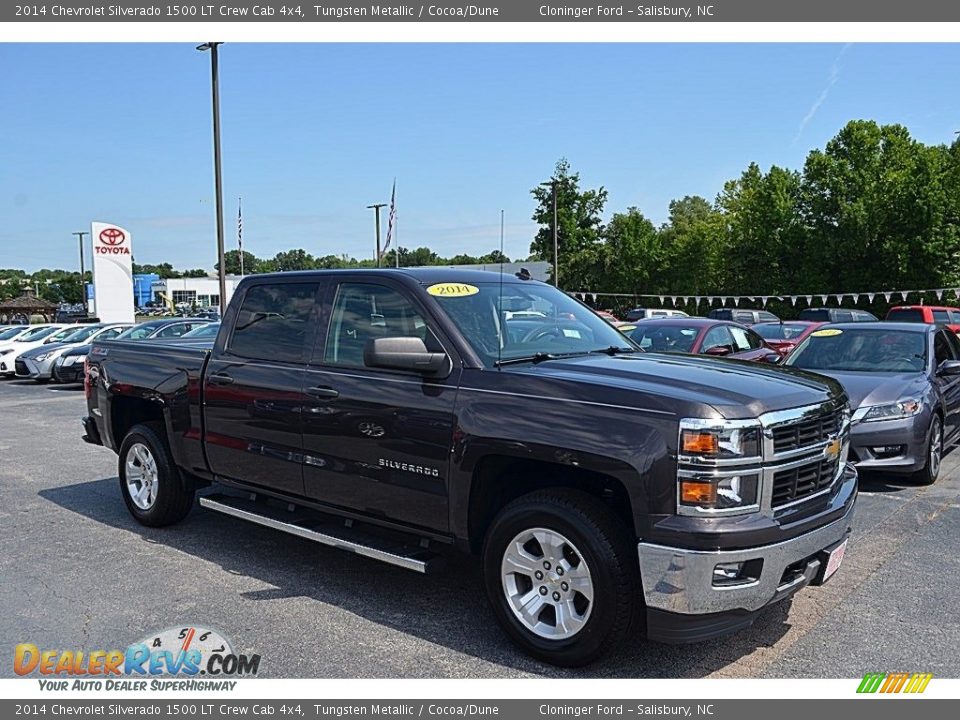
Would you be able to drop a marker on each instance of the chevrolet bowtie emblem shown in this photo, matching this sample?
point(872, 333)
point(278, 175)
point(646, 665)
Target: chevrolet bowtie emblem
point(832, 450)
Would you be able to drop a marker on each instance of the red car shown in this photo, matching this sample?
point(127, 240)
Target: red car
point(785, 336)
point(607, 315)
point(703, 336)
point(932, 314)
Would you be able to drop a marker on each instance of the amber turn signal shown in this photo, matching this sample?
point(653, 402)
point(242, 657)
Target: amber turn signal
point(697, 493)
point(700, 443)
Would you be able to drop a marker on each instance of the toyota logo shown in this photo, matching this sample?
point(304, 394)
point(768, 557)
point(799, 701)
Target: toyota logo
point(112, 236)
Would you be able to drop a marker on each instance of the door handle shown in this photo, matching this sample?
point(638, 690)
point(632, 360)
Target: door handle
point(322, 391)
point(220, 379)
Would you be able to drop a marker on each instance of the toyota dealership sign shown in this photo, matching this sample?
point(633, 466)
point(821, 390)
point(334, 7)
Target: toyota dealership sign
point(112, 273)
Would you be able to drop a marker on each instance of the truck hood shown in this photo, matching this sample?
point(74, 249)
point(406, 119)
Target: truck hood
point(867, 389)
point(734, 389)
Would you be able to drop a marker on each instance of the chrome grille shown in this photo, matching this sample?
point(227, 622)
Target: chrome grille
point(801, 482)
point(806, 432)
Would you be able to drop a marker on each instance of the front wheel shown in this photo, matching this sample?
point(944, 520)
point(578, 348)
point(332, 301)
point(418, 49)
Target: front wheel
point(934, 453)
point(152, 487)
point(562, 576)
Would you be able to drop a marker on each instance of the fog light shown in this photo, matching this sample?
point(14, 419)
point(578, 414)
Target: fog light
point(737, 573)
point(888, 451)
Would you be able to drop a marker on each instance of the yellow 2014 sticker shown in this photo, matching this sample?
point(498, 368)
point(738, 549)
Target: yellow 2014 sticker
point(448, 290)
point(827, 332)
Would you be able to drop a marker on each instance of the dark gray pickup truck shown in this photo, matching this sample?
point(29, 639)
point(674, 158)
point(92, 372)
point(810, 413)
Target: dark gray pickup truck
point(417, 416)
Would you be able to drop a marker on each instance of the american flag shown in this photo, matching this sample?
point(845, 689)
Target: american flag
point(392, 219)
point(240, 232)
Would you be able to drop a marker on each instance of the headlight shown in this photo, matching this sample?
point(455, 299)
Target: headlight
point(717, 443)
point(892, 411)
point(74, 359)
point(41, 358)
point(4, 352)
point(703, 493)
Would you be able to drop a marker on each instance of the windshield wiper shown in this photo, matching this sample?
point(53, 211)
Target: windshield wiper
point(614, 350)
point(535, 358)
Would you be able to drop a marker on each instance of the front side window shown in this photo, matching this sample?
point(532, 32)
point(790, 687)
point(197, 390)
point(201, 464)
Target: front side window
point(942, 349)
point(745, 340)
point(717, 337)
point(364, 311)
point(272, 322)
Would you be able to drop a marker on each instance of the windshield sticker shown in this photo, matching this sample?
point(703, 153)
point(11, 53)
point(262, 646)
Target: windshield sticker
point(828, 332)
point(447, 290)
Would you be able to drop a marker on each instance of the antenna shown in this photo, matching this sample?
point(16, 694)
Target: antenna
point(500, 313)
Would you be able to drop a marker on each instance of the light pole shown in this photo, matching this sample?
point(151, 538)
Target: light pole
point(83, 272)
point(376, 209)
point(218, 180)
point(556, 255)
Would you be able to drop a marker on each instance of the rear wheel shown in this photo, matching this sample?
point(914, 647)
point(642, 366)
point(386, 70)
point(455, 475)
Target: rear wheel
point(152, 487)
point(934, 453)
point(562, 576)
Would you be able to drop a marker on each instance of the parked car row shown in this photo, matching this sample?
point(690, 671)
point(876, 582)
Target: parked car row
point(57, 351)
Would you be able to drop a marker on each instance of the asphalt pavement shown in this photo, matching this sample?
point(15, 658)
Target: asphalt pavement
point(78, 573)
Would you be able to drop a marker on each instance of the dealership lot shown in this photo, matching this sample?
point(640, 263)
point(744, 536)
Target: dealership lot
point(79, 573)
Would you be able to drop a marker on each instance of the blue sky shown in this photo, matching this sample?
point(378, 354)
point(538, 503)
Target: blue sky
point(312, 133)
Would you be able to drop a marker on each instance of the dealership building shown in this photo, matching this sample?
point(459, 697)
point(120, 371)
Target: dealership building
point(202, 292)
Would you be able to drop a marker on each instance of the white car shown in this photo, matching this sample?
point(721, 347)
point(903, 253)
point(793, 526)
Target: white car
point(30, 340)
point(16, 332)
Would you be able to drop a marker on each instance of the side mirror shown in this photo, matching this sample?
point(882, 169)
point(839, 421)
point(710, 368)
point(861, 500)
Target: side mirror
point(772, 358)
point(949, 367)
point(718, 350)
point(405, 353)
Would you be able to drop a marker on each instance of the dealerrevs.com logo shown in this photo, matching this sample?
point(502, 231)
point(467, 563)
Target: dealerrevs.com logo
point(182, 652)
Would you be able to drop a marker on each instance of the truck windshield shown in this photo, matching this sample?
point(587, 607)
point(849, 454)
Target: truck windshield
point(529, 320)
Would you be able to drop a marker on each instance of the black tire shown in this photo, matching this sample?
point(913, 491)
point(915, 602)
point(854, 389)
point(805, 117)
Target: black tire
point(611, 558)
point(172, 499)
point(931, 470)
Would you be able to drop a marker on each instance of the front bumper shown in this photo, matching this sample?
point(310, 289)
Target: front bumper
point(909, 433)
point(72, 373)
point(684, 605)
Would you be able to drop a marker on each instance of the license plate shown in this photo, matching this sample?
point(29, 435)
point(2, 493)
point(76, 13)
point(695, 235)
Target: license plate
point(834, 560)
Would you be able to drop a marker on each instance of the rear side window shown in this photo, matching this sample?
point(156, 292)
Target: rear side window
point(272, 322)
point(941, 317)
point(905, 315)
point(743, 316)
point(815, 314)
point(768, 317)
point(842, 316)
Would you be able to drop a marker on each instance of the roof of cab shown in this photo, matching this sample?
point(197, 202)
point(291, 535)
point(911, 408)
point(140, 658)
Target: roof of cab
point(422, 275)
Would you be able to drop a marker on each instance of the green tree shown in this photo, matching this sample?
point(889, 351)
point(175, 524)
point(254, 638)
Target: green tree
point(633, 255)
point(493, 258)
point(579, 226)
point(879, 211)
point(288, 260)
point(694, 247)
point(231, 261)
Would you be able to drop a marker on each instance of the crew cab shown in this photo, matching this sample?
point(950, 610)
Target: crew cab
point(930, 314)
point(400, 415)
